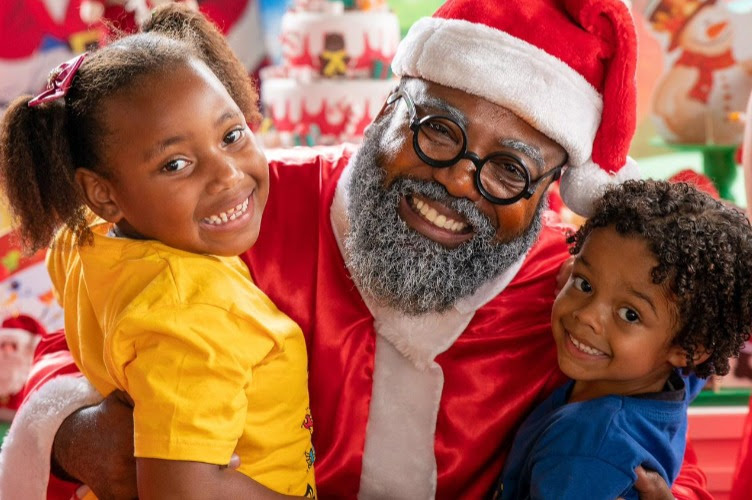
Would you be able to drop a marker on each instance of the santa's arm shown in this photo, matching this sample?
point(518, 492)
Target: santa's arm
point(54, 390)
point(691, 482)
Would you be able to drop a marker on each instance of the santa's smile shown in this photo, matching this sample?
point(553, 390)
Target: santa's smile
point(434, 220)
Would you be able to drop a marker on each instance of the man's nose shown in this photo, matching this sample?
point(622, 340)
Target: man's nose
point(224, 174)
point(459, 179)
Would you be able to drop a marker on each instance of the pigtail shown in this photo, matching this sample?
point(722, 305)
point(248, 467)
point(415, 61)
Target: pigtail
point(37, 172)
point(182, 23)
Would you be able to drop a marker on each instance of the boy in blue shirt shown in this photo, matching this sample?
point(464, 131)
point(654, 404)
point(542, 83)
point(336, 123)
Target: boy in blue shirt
point(661, 283)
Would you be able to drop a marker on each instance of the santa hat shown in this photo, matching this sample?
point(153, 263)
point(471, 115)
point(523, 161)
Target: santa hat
point(566, 67)
point(23, 322)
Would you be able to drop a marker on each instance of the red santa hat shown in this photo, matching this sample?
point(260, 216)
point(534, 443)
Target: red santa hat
point(23, 322)
point(566, 67)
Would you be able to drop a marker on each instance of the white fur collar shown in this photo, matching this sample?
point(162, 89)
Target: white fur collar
point(398, 457)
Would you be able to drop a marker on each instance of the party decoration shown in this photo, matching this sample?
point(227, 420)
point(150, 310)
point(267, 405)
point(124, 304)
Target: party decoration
point(707, 77)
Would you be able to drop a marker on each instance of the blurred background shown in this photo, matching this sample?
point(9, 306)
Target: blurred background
point(694, 77)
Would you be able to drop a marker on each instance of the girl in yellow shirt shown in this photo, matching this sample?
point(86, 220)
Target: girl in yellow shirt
point(151, 134)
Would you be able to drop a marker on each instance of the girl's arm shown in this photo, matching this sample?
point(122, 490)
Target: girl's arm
point(179, 480)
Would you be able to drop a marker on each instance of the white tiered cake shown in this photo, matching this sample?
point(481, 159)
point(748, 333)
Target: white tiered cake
point(335, 72)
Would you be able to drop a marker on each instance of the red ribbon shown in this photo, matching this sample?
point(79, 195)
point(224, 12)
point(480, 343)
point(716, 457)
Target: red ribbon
point(59, 81)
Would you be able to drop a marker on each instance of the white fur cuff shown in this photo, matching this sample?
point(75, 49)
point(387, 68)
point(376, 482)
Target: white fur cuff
point(25, 456)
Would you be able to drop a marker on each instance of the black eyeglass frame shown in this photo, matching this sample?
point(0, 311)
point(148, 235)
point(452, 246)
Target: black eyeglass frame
point(415, 123)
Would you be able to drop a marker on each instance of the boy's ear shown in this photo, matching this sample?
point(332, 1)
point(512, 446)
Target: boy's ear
point(677, 356)
point(98, 193)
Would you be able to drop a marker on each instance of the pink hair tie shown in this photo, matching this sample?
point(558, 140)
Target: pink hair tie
point(59, 81)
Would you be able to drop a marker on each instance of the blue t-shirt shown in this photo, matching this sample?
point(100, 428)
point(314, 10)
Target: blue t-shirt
point(589, 449)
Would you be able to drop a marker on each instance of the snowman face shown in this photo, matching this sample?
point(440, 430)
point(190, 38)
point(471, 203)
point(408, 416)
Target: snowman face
point(708, 32)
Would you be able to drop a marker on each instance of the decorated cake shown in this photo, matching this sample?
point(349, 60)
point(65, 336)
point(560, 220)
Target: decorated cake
point(334, 75)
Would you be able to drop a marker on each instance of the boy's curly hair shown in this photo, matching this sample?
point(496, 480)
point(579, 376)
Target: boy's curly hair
point(704, 253)
point(41, 147)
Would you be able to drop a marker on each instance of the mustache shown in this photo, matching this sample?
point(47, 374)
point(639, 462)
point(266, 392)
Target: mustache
point(478, 221)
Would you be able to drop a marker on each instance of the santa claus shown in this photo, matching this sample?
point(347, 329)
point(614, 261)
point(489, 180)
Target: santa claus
point(19, 336)
point(422, 282)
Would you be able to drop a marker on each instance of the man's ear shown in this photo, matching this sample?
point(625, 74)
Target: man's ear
point(98, 193)
point(677, 356)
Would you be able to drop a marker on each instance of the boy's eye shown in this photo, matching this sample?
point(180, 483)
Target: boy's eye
point(629, 315)
point(582, 285)
point(175, 165)
point(234, 136)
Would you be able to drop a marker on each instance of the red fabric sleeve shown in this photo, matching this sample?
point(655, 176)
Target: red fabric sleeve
point(51, 359)
point(691, 483)
point(741, 487)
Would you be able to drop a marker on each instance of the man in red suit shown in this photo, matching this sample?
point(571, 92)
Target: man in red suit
point(422, 268)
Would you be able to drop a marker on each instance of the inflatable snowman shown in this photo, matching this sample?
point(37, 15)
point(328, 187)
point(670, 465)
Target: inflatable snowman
point(706, 82)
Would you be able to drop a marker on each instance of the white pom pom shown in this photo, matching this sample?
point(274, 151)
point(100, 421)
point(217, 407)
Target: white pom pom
point(582, 185)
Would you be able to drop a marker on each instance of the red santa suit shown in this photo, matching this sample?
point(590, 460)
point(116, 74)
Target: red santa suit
point(404, 407)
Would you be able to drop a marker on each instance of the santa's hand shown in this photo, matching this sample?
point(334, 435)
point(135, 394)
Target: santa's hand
point(651, 486)
point(94, 445)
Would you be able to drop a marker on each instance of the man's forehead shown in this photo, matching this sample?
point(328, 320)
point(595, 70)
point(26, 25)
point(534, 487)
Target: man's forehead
point(425, 95)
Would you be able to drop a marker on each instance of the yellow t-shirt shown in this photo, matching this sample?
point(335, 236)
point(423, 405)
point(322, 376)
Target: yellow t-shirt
point(211, 364)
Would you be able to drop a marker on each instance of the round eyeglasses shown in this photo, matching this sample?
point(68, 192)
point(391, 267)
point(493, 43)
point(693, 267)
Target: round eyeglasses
point(440, 142)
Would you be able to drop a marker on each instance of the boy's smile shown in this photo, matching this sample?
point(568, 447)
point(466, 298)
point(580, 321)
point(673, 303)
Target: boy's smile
point(612, 325)
point(184, 167)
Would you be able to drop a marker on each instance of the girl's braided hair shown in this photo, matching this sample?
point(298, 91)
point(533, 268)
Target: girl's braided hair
point(41, 147)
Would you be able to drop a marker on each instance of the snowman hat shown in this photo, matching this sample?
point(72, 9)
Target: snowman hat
point(566, 67)
point(672, 16)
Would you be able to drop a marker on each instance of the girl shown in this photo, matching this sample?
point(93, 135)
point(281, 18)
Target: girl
point(661, 284)
point(151, 135)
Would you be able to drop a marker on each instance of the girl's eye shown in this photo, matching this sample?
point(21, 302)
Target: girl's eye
point(234, 136)
point(629, 315)
point(582, 285)
point(175, 165)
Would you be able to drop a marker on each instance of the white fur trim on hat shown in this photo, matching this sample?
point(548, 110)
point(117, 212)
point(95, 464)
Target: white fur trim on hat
point(582, 185)
point(508, 71)
point(25, 456)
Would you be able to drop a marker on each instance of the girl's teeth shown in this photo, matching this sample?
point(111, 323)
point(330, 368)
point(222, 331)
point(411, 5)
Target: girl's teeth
point(229, 215)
